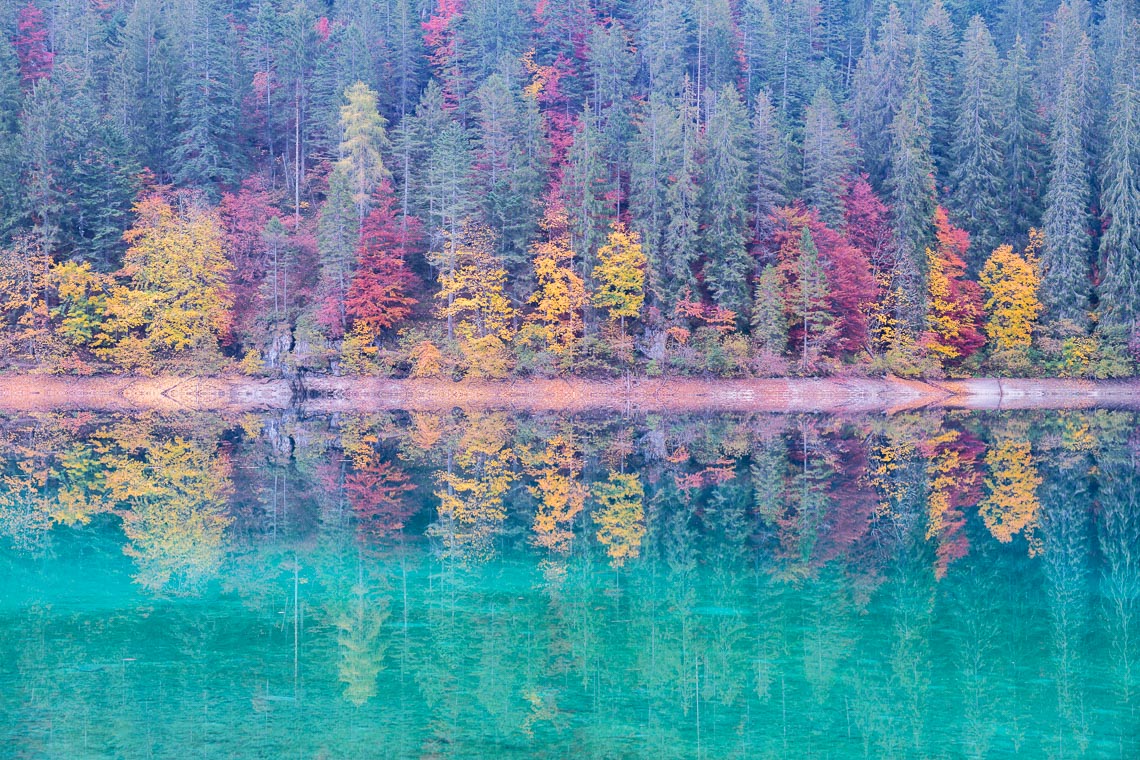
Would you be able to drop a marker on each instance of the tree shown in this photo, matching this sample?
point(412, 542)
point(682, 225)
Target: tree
point(364, 137)
point(911, 175)
point(807, 304)
point(953, 303)
point(1120, 194)
point(769, 323)
point(1021, 145)
point(724, 187)
point(378, 296)
point(1011, 505)
point(175, 304)
point(561, 294)
point(770, 166)
point(620, 275)
point(620, 516)
point(31, 45)
point(471, 293)
point(978, 189)
point(827, 159)
point(1064, 263)
point(938, 48)
point(1011, 283)
point(880, 84)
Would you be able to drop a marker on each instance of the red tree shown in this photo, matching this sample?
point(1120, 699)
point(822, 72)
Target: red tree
point(31, 46)
point(955, 303)
point(244, 217)
point(378, 293)
point(376, 493)
point(850, 287)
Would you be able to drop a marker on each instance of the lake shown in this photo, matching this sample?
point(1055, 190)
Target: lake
point(924, 584)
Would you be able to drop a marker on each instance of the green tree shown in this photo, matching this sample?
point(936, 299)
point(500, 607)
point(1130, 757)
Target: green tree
point(938, 46)
point(827, 159)
point(978, 191)
point(1021, 145)
point(880, 84)
point(724, 184)
point(769, 167)
point(911, 180)
point(1120, 193)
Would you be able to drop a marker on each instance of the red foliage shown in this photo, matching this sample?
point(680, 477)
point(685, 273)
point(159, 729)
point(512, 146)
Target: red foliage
point(376, 493)
point(31, 46)
point(443, 43)
point(378, 293)
point(849, 282)
point(244, 217)
point(869, 225)
point(965, 295)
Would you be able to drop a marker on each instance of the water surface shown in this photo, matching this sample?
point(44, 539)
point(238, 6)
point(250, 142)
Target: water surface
point(485, 585)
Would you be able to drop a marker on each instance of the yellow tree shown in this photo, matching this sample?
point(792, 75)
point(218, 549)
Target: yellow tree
point(176, 302)
point(1011, 282)
point(953, 302)
point(475, 304)
point(24, 331)
point(1011, 506)
point(364, 137)
point(557, 471)
point(620, 275)
point(561, 294)
point(620, 516)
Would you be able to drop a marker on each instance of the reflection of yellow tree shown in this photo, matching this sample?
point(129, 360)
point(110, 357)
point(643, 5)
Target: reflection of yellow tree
point(621, 516)
point(359, 621)
point(557, 471)
point(1012, 507)
point(471, 505)
point(176, 518)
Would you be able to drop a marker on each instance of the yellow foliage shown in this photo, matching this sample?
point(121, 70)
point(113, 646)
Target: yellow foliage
point(620, 274)
point(620, 516)
point(560, 493)
point(176, 299)
point(561, 294)
point(1011, 507)
point(1011, 282)
point(427, 360)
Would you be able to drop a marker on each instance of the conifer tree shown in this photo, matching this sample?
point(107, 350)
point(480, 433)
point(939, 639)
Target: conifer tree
point(1064, 263)
point(827, 159)
point(769, 167)
point(1120, 193)
point(911, 180)
point(724, 187)
point(938, 46)
point(1021, 144)
point(769, 323)
point(364, 138)
point(881, 82)
point(978, 191)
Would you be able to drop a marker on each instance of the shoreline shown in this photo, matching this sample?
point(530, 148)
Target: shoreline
point(328, 394)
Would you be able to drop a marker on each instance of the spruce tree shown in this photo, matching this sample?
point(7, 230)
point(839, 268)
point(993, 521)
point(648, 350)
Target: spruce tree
point(1065, 265)
point(769, 167)
point(978, 192)
point(1120, 194)
point(1021, 145)
point(680, 243)
point(724, 186)
point(938, 46)
point(881, 82)
point(827, 159)
point(911, 182)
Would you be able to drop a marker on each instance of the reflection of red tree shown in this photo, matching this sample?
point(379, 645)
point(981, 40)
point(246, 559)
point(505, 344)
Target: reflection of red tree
point(376, 493)
point(955, 484)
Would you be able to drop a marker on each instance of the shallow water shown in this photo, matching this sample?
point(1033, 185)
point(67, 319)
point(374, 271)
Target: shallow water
point(923, 585)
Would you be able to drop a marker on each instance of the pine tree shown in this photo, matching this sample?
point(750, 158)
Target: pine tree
point(769, 323)
point(978, 191)
point(911, 180)
point(1120, 194)
point(808, 304)
point(938, 46)
point(587, 193)
point(881, 82)
point(769, 167)
point(364, 138)
point(827, 159)
point(1065, 265)
point(680, 241)
point(1021, 145)
point(725, 183)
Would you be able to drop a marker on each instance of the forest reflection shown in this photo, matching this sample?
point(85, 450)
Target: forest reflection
point(470, 584)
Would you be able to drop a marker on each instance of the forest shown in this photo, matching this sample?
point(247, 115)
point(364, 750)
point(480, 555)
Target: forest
point(494, 188)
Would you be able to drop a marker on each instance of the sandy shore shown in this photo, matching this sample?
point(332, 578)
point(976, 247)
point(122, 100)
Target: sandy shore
point(31, 393)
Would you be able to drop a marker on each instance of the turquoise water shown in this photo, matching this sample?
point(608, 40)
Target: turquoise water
point(916, 586)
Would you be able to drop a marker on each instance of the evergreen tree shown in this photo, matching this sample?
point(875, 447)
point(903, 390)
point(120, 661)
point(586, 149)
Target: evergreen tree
point(1120, 194)
point(587, 194)
point(938, 45)
point(827, 159)
point(1021, 145)
point(770, 166)
point(881, 83)
point(978, 191)
point(1065, 266)
point(724, 187)
point(769, 323)
point(911, 180)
